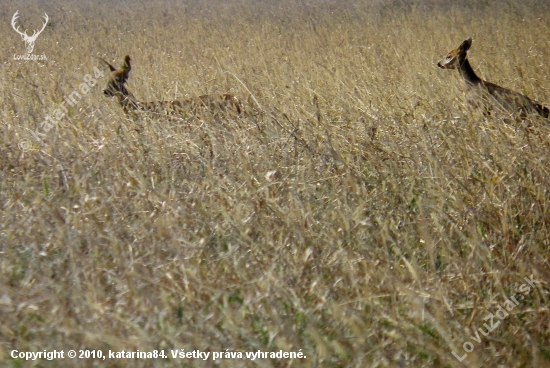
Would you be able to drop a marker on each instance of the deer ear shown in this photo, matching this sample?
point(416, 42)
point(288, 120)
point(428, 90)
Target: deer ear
point(126, 66)
point(111, 68)
point(465, 45)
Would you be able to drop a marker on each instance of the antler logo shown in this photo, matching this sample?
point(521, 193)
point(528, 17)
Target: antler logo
point(29, 40)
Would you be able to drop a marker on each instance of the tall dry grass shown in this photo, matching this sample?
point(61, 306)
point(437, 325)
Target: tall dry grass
point(396, 221)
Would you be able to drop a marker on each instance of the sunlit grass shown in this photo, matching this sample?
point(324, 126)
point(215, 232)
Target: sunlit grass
point(361, 212)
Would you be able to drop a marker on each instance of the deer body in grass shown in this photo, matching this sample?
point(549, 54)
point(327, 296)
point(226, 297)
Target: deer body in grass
point(116, 87)
point(481, 93)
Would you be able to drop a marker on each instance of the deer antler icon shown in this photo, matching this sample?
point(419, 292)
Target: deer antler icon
point(29, 40)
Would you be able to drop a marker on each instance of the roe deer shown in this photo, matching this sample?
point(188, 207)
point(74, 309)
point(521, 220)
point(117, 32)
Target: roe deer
point(479, 91)
point(189, 107)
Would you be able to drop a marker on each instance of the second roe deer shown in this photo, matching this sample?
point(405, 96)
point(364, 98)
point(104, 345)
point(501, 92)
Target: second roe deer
point(182, 108)
point(481, 93)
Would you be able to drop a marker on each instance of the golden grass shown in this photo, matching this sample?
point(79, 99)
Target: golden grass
point(397, 219)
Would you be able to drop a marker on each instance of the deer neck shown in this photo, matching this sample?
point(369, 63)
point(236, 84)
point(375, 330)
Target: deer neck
point(128, 101)
point(467, 72)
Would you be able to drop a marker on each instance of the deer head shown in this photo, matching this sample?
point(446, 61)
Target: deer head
point(115, 85)
point(29, 40)
point(456, 57)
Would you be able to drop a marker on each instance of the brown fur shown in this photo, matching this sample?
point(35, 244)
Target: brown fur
point(481, 93)
point(183, 108)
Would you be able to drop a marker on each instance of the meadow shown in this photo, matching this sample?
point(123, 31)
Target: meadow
point(361, 212)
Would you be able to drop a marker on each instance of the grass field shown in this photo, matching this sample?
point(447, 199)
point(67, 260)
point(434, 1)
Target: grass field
point(360, 213)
